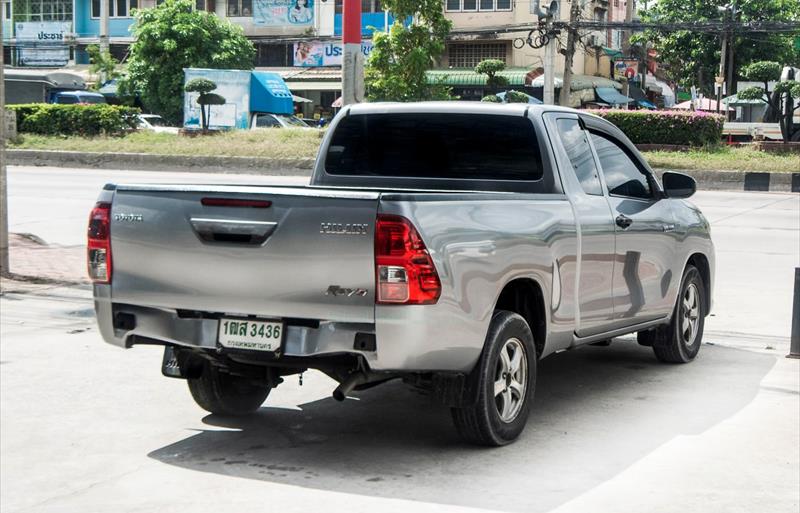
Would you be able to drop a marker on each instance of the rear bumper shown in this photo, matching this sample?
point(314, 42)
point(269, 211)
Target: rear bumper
point(166, 326)
point(396, 349)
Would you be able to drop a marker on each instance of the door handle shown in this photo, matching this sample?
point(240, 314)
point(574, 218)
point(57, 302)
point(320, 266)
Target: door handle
point(623, 221)
point(232, 230)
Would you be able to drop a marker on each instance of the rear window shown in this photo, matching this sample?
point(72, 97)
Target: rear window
point(429, 145)
point(92, 99)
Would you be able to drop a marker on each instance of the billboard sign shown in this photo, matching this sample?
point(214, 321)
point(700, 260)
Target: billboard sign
point(281, 13)
point(233, 85)
point(42, 44)
point(626, 70)
point(316, 53)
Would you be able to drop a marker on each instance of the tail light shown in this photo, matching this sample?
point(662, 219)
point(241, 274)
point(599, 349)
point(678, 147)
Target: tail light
point(404, 269)
point(99, 247)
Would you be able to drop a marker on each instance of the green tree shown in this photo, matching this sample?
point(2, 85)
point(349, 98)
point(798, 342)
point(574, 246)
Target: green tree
point(174, 36)
point(396, 66)
point(692, 57)
point(780, 101)
point(102, 64)
point(205, 98)
point(491, 68)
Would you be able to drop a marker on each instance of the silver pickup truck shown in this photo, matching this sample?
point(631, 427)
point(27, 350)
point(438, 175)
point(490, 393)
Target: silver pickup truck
point(452, 245)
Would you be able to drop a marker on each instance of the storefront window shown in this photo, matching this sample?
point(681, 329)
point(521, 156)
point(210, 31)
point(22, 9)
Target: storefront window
point(240, 8)
point(367, 6)
point(468, 55)
point(40, 10)
point(116, 8)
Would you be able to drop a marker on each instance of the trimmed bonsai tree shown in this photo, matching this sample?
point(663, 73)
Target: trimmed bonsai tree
point(780, 101)
point(491, 68)
point(206, 98)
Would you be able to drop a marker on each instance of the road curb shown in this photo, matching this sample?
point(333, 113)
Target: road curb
point(155, 162)
point(741, 180)
point(706, 180)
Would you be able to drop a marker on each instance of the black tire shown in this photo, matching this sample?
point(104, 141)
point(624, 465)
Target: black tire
point(679, 342)
point(224, 394)
point(482, 423)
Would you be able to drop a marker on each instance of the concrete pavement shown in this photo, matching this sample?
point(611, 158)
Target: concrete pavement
point(89, 427)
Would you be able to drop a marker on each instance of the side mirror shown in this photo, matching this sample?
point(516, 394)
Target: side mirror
point(678, 185)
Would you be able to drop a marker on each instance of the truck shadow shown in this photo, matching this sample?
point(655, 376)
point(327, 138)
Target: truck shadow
point(597, 411)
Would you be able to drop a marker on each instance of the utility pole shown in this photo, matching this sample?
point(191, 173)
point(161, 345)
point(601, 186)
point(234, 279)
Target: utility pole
point(726, 53)
point(4, 267)
point(720, 79)
point(569, 53)
point(104, 7)
point(626, 37)
point(548, 15)
point(353, 61)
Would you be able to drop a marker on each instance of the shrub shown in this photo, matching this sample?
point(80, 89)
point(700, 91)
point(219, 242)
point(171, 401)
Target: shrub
point(491, 98)
point(54, 119)
point(516, 97)
point(666, 127)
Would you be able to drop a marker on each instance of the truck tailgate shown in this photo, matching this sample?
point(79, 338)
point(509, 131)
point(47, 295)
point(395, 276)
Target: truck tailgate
point(270, 251)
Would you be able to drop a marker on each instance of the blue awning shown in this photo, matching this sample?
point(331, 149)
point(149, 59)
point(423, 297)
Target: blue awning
point(611, 96)
point(268, 93)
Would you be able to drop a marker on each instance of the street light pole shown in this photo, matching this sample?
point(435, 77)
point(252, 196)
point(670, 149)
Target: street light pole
point(104, 8)
point(4, 267)
point(353, 58)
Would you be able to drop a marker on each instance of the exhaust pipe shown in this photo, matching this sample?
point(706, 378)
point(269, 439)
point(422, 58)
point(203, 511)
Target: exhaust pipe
point(347, 386)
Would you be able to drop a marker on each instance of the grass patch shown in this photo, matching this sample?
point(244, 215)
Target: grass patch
point(273, 143)
point(725, 159)
point(291, 143)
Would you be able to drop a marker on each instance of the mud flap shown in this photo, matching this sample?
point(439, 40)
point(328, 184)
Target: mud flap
point(170, 367)
point(456, 390)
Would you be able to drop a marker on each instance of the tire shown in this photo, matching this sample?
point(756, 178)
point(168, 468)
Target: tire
point(680, 340)
point(498, 418)
point(224, 394)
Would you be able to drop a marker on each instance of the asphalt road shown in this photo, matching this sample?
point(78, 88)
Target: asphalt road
point(89, 427)
point(757, 236)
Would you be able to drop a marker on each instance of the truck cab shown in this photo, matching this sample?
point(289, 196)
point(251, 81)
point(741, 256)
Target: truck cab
point(77, 97)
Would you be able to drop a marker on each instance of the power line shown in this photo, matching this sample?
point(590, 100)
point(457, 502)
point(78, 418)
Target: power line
point(638, 26)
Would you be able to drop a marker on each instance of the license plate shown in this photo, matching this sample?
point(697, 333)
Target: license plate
point(251, 335)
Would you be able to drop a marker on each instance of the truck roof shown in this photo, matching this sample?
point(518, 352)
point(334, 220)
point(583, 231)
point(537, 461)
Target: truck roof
point(49, 77)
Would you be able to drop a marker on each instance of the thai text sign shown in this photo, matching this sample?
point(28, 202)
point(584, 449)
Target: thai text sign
point(42, 43)
point(315, 53)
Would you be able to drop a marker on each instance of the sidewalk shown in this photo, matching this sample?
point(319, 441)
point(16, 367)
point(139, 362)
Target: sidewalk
point(33, 260)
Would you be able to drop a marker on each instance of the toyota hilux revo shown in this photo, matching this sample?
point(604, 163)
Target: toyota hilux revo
point(452, 245)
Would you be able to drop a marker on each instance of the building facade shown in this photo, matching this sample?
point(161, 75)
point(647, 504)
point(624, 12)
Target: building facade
point(300, 39)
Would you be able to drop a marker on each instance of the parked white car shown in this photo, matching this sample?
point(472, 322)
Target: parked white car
point(266, 120)
point(155, 123)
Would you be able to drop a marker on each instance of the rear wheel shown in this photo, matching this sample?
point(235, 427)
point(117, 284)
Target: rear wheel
point(679, 341)
point(506, 382)
point(225, 394)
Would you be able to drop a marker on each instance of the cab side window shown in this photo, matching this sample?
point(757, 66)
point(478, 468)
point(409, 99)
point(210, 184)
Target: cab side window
point(576, 144)
point(622, 175)
point(266, 121)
